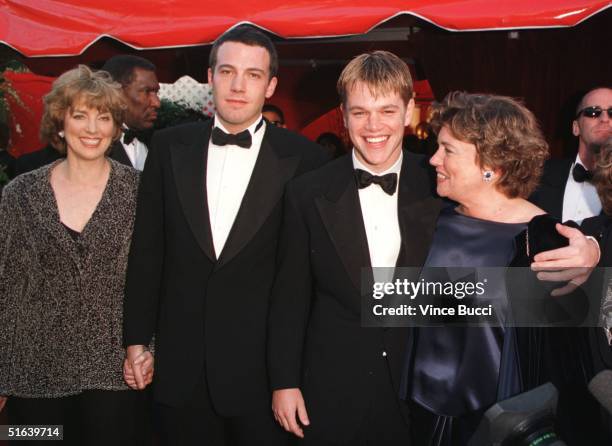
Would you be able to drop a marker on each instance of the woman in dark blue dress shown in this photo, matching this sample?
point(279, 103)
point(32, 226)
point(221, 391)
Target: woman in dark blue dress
point(489, 159)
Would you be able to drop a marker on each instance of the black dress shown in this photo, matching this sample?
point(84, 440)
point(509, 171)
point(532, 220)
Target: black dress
point(456, 373)
point(453, 374)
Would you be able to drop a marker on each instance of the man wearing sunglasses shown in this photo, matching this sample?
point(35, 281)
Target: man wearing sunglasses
point(565, 189)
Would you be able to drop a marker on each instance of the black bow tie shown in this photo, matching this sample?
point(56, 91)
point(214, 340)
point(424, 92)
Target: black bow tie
point(580, 174)
point(242, 139)
point(387, 182)
point(130, 135)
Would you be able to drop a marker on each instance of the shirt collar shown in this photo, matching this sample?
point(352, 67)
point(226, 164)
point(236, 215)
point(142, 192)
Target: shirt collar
point(579, 161)
point(395, 168)
point(251, 128)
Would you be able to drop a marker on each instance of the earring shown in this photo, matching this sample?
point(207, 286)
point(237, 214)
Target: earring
point(487, 176)
point(61, 134)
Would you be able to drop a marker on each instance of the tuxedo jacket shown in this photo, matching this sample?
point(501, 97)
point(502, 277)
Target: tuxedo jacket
point(208, 315)
point(550, 191)
point(48, 154)
point(316, 340)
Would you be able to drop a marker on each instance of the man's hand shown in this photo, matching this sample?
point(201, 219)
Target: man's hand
point(573, 263)
point(3, 402)
point(285, 404)
point(138, 367)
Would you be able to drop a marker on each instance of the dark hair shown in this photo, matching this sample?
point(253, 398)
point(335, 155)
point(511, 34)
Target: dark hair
point(579, 106)
point(274, 109)
point(246, 35)
point(332, 143)
point(121, 67)
point(505, 133)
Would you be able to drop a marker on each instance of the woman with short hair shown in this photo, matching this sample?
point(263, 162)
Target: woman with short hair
point(489, 159)
point(65, 232)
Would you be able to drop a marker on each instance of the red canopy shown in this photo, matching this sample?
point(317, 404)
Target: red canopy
point(68, 27)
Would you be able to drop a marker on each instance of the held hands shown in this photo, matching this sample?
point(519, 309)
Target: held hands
point(138, 367)
point(285, 404)
point(572, 264)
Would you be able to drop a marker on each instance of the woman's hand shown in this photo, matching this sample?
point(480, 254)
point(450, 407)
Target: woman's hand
point(3, 402)
point(138, 367)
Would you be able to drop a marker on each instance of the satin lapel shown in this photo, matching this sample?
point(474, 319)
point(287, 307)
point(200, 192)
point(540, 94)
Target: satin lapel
point(555, 183)
point(189, 160)
point(265, 190)
point(118, 153)
point(340, 211)
point(417, 214)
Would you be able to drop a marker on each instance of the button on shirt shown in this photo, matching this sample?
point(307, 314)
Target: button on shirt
point(580, 200)
point(228, 173)
point(136, 151)
point(379, 211)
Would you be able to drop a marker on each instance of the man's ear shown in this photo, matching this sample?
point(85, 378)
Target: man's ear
point(344, 115)
point(409, 112)
point(271, 87)
point(575, 128)
point(210, 76)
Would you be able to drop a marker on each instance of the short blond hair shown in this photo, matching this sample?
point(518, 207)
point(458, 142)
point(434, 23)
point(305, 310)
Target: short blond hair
point(505, 133)
point(383, 73)
point(97, 90)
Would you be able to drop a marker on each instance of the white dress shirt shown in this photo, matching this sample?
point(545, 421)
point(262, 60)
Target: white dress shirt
point(136, 152)
point(228, 172)
point(379, 212)
point(580, 200)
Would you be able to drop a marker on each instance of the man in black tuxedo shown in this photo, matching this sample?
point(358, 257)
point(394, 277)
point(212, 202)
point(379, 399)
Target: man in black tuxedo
point(139, 84)
point(203, 255)
point(334, 381)
point(565, 189)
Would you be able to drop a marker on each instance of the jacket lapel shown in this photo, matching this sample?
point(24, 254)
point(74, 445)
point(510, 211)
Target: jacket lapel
point(118, 153)
point(340, 211)
point(189, 158)
point(272, 171)
point(417, 212)
point(553, 186)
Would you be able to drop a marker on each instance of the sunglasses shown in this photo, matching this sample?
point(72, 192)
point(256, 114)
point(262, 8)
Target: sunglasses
point(594, 112)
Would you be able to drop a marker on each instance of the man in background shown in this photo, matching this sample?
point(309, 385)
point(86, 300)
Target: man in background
point(274, 115)
point(565, 190)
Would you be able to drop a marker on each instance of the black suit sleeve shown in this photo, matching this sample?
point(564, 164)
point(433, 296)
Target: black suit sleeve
point(145, 261)
point(290, 300)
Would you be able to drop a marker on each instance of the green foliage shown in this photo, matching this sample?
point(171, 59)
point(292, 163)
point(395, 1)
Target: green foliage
point(174, 113)
point(6, 90)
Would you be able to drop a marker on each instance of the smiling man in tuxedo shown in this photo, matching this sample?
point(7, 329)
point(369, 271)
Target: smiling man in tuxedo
point(335, 382)
point(204, 253)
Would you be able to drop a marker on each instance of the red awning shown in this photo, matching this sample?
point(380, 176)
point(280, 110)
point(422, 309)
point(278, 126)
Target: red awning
point(68, 27)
